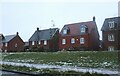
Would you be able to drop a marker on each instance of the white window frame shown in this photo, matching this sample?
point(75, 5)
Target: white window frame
point(111, 48)
point(65, 31)
point(72, 40)
point(33, 42)
point(6, 44)
point(39, 42)
point(111, 37)
point(45, 42)
point(82, 29)
point(5, 50)
point(16, 45)
point(111, 24)
point(82, 40)
point(63, 41)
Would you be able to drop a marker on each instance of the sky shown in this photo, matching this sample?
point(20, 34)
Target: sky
point(24, 16)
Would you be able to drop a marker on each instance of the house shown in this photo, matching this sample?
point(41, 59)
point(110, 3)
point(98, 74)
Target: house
point(111, 34)
point(12, 43)
point(79, 36)
point(45, 39)
point(1, 38)
point(26, 46)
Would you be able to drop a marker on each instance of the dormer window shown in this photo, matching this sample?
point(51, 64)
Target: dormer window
point(65, 30)
point(111, 24)
point(83, 29)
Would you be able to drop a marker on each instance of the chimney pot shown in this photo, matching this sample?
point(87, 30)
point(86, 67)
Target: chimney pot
point(93, 18)
point(17, 33)
point(37, 29)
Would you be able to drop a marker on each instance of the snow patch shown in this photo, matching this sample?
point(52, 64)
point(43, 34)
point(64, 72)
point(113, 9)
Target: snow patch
point(63, 68)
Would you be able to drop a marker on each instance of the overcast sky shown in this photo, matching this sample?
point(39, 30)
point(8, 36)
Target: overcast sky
point(24, 16)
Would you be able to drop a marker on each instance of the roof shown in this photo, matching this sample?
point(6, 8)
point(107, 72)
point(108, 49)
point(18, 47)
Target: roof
point(43, 34)
point(75, 27)
point(105, 26)
point(1, 37)
point(8, 38)
point(26, 44)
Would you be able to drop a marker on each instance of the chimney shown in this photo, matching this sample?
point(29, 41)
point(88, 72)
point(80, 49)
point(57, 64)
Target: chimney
point(37, 29)
point(93, 18)
point(17, 33)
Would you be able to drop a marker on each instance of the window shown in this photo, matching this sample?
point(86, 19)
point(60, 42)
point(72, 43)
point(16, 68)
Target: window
point(63, 41)
point(33, 43)
point(6, 44)
point(39, 42)
point(72, 40)
point(45, 42)
point(16, 45)
point(111, 48)
point(65, 31)
point(111, 24)
point(111, 37)
point(82, 29)
point(82, 40)
point(5, 50)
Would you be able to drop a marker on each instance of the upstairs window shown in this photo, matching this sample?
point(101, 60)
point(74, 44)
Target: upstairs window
point(45, 42)
point(72, 40)
point(111, 37)
point(33, 43)
point(65, 31)
point(83, 29)
point(39, 42)
point(6, 44)
point(16, 45)
point(111, 24)
point(63, 41)
point(82, 40)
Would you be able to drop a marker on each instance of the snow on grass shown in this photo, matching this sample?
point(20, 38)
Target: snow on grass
point(92, 59)
point(62, 68)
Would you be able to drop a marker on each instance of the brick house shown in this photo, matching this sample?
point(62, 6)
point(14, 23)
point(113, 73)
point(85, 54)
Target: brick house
point(111, 34)
point(79, 36)
point(46, 39)
point(12, 43)
point(1, 38)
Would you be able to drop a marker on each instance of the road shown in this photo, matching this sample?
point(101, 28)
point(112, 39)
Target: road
point(6, 73)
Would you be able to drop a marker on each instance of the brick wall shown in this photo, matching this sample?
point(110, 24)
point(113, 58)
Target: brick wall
point(16, 44)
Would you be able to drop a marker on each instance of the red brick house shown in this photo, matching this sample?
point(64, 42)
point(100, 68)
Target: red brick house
point(79, 36)
point(1, 38)
point(46, 39)
point(12, 43)
point(111, 34)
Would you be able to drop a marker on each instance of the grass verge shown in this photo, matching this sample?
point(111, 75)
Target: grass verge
point(48, 71)
point(92, 59)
